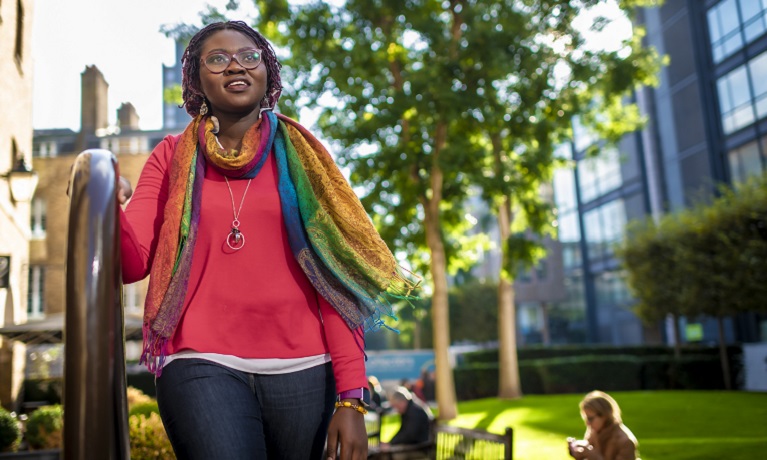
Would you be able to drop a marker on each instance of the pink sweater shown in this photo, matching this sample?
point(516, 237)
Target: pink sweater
point(251, 303)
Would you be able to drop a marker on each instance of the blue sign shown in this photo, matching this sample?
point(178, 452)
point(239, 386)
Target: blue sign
point(399, 364)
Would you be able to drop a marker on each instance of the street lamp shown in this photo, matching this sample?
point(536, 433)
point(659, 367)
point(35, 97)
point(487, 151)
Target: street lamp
point(22, 181)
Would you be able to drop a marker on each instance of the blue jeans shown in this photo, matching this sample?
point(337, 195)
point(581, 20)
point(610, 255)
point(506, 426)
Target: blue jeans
point(213, 412)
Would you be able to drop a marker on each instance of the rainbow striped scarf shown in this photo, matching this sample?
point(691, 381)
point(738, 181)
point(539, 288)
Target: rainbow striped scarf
point(330, 234)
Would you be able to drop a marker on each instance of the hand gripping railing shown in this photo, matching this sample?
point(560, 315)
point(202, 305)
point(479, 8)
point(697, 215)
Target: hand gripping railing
point(95, 407)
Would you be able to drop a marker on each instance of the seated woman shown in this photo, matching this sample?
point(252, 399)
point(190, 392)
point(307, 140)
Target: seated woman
point(606, 438)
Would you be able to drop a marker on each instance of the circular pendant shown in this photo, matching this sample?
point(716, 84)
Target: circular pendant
point(235, 239)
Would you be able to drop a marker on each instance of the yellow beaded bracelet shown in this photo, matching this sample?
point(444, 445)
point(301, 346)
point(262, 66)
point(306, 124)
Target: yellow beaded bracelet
point(356, 407)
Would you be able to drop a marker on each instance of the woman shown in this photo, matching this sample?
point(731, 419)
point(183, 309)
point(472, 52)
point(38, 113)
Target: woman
point(607, 438)
point(264, 269)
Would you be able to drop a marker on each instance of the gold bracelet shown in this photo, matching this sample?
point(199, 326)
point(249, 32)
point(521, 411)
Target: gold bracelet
point(356, 407)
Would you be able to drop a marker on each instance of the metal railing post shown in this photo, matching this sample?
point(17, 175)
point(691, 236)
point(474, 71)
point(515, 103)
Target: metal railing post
point(95, 401)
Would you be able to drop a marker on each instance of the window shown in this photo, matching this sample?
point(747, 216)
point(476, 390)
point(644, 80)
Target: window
point(564, 151)
point(735, 23)
point(754, 14)
point(19, 49)
point(735, 100)
point(758, 73)
point(112, 144)
point(44, 149)
point(604, 226)
point(724, 29)
point(582, 136)
point(592, 225)
point(523, 275)
point(564, 190)
point(611, 289)
point(746, 160)
point(542, 271)
point(599, 175)
point(568, 229)
point(38, 218)
point(570, 237)
point(35, 291)
point(131, 298)
point(743, 94)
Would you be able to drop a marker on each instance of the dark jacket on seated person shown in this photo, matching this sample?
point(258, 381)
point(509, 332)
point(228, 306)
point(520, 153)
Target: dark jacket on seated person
point(416, 424)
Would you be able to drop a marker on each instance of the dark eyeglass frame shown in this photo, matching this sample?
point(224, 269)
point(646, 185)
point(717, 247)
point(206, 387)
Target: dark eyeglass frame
point(232, 57)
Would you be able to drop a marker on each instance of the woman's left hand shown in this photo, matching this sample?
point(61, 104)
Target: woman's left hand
point(124, 190)
point(347, 431)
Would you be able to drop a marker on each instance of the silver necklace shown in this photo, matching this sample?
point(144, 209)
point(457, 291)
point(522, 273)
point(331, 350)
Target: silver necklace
point(235, 239)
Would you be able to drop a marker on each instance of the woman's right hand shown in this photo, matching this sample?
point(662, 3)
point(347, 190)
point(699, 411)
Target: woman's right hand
point(579, 449)
point(124, 190)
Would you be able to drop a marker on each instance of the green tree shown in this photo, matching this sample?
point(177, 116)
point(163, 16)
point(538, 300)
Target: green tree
point(400, 126)
point(715, 260)
point(523, 72)
point(429, 98)
point(648, 256)
point(474, 311)
point(725, 257)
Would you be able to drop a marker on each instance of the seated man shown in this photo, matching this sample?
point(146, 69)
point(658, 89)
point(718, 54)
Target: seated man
point(416, 423)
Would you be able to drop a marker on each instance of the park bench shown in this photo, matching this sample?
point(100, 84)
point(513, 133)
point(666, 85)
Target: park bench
point(450, 443)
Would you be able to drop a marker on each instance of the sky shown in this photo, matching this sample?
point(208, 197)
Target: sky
point(121, 37)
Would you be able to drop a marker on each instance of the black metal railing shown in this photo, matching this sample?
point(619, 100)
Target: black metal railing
point(95, 403)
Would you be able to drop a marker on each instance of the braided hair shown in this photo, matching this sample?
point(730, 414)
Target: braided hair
point(191, 88)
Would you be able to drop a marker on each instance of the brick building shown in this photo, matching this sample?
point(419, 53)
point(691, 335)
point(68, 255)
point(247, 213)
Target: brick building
point(54, 152)
point(15, 154)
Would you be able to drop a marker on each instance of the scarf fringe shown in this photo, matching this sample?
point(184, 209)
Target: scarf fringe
point(155, 351)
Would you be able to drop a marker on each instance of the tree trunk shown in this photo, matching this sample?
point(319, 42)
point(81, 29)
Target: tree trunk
point(417, 333)
point(677, 336)
point(545, 332)
point(445, 385)
point(508, 367)
point(723, 354)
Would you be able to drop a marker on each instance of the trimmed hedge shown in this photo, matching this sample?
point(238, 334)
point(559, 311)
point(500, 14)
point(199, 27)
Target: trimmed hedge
point(477, 381)
point(481, 380)
point(10, 434)
point(148, 440)
point(44, 427)
point(144, 408)
point(564, 351)
point(585, 373)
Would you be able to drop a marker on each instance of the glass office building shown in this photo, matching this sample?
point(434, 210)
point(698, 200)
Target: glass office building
point(707, 125)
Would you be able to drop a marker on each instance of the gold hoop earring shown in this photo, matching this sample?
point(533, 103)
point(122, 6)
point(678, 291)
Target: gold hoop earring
point(203, 108)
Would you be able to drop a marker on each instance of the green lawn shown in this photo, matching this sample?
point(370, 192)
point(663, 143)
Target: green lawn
point(670, 425)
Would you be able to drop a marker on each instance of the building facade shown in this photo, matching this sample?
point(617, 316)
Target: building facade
point(15, 150)
point(54, 152)
point(173, 116)
point(706, 126)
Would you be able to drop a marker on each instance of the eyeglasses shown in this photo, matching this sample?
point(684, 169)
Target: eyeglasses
point(219, 61)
